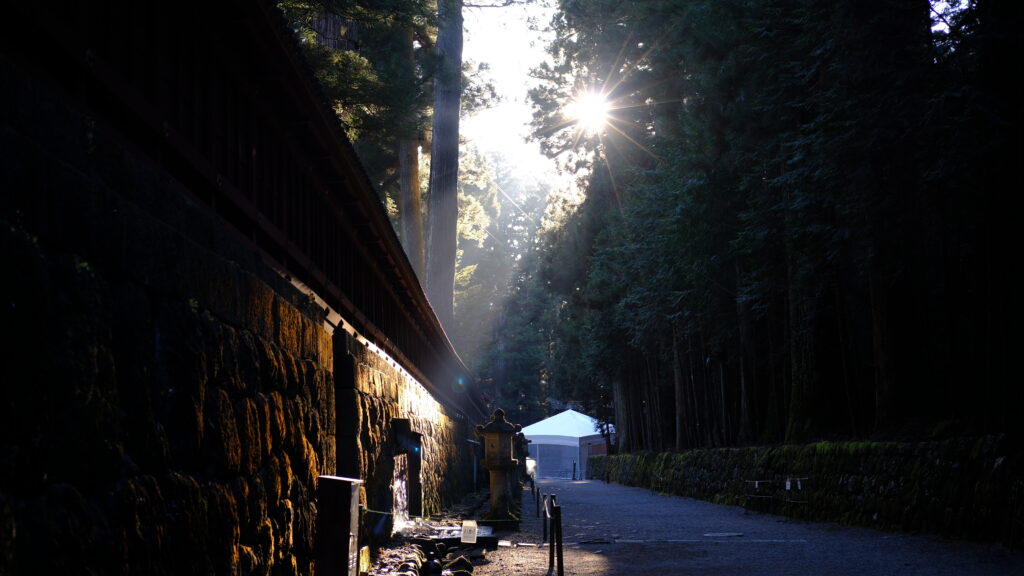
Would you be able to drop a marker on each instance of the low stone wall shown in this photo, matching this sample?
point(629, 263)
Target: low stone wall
point(970, 488)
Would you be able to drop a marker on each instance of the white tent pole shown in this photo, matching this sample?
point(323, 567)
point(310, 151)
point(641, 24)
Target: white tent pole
point(579, 457)
point(538, 460)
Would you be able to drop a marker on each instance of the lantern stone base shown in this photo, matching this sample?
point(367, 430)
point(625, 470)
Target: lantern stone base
point(501, 464)
point(504, 508)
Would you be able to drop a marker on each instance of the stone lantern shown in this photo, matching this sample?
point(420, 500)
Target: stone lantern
point(498, 436)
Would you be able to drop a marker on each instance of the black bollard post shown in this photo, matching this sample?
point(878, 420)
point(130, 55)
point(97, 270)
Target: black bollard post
point(574, 470)
point(551, 542)
point(544, 520)
point(558, 537)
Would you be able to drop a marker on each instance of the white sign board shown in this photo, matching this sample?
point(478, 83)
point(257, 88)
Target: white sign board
point(469, 531)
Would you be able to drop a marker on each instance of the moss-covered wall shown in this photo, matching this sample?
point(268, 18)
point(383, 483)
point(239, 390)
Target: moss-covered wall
point(169, 400)
point(378, 394)
point(965, 487)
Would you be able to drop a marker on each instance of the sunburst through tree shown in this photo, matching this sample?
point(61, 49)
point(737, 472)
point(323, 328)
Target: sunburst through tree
point(589, 111)
point(588, 106)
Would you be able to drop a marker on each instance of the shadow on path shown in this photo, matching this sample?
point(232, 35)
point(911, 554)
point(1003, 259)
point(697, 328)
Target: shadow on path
point(614, 529)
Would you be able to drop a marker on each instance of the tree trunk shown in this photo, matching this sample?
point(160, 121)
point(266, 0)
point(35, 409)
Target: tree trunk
point(726, 427)
point(653, 402)
point(747, 365)
point(698, 432)
point(623, 416)
point(884, 391)
point(443, 216)
point(412, 219)
point(845, 364)
point(677, 380)
point(801, 424)
point(409, 185)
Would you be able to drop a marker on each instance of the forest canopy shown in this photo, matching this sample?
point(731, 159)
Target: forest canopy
point(796, 224)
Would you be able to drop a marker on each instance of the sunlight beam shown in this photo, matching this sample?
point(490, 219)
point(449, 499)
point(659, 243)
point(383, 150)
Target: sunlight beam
point(637, 144)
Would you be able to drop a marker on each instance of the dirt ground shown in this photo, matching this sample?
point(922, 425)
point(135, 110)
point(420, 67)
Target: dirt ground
point(612, 529)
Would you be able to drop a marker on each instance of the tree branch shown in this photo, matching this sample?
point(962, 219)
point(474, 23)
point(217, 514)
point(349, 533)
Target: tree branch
point(500, 4)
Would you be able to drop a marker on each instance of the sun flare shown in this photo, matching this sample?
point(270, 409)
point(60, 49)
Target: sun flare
point(589, 111)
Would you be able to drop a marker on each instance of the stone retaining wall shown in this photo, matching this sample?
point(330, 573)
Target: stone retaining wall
point(970, 488)
point(376, 394)
point(169, 400)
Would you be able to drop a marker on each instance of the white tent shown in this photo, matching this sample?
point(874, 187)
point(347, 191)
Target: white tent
point(562, 443)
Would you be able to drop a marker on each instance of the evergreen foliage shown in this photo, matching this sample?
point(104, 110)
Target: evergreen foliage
point(358, 50)
point(796, 225)
point(376, 62)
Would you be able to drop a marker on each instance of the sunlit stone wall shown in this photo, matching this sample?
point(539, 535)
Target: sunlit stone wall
point(168, 399)
point(378, 393)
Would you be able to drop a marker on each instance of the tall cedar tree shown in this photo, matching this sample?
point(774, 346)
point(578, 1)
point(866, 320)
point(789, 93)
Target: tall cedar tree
point(783, 239)
point(373, 63)
point(444, 164)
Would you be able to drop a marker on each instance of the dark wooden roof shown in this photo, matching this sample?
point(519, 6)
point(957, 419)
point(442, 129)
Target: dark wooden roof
point(222, 96)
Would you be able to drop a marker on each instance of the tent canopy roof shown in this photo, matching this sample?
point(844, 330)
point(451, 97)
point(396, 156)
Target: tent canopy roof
point(568, 423)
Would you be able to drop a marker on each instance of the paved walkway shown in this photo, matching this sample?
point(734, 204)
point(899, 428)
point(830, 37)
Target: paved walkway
point(612, 529)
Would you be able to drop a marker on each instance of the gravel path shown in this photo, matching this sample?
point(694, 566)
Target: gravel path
point(613, 529)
